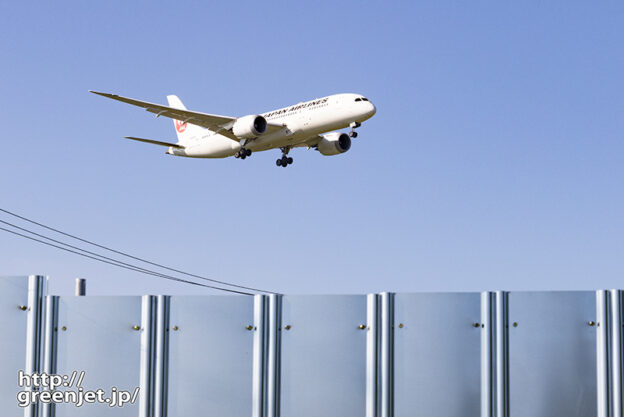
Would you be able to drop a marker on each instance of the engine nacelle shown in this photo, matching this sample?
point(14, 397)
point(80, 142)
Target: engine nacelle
point(249, 126)
point(334, 144)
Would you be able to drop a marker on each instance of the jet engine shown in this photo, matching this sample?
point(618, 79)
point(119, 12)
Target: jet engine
point(249, 126)
point(334, 144)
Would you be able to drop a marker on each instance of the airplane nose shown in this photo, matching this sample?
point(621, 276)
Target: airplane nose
point(373, 109)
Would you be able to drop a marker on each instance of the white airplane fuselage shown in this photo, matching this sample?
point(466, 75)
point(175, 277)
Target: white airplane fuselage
point(302, 121)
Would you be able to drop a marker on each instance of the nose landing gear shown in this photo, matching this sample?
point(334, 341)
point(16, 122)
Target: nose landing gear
point(353, 126)
point(285, 160)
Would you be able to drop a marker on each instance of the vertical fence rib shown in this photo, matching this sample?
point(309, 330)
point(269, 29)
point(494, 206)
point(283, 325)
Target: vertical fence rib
point(602, 353)
point(616, 352)
point(50, 345)
point(502, 353)
point(372, 356)
point(274, 344)
point(162, 356)
point(387, 355)
point(259, 400)
point(34, 336)
point(148, 355)
point(487, 355)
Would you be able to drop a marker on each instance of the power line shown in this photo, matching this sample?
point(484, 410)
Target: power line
point(131, 256)
point(138, 268)
point(131, 268)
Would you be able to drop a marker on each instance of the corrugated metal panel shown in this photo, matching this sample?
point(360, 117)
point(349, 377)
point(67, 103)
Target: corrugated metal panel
point(380, 355)
point(21, 319)
point(13, 297)
point(323, 356)
point(97, 335)
point(437, 354)
point(552, 354)
point(210, 356)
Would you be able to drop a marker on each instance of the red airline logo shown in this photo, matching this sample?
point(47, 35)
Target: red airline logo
point(180, 126)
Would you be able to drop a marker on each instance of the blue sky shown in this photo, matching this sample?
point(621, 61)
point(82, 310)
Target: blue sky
point(495, 159)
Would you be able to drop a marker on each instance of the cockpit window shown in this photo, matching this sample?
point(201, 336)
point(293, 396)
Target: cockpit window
point(364, 99)
point(358, 99)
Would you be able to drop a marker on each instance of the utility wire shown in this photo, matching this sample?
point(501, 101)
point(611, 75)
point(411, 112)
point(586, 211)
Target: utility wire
point(138, 268)
point(131, 256)
point(120, 265)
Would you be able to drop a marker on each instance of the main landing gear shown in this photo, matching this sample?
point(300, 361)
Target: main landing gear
point(284, 161)
point(243, 153)
point(354, 125)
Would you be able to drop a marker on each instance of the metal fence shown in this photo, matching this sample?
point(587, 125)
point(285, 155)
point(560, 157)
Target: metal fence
point(377, 355)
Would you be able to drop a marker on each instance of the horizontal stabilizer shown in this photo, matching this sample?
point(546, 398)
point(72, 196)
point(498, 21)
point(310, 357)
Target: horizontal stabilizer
point(157, 142)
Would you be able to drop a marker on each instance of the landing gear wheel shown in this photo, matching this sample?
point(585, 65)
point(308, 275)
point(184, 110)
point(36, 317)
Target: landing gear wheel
point(353, 134)
point(285, 160)
point(242, 153)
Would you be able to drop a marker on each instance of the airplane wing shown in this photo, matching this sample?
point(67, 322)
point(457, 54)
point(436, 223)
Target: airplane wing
point(311, 141)
point(156, 142)
point(216, 123)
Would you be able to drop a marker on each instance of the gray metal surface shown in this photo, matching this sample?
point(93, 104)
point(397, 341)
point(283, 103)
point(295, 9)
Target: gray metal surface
point(210, 356)
point(386, 354)
point(437, 354)
point(97, 335)
point(373, 355)
point(495, 354)
point(603, 354)
point(13, 295)
point(500, 354)
point(488, 358)
point(323, 356)
point(616, 349)
point(552, 354)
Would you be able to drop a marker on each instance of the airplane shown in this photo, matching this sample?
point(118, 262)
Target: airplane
point(306, 124)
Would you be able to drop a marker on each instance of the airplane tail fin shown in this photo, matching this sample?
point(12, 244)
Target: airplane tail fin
point(185, 131)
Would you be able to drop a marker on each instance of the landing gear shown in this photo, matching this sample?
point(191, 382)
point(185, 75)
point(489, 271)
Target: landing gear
point(285, 160)
point(243, 153)
point(354, 126)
